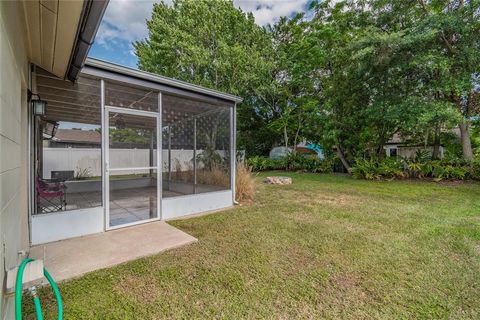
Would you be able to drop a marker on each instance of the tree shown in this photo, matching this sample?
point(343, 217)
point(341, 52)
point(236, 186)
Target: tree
point(387, 71)
point(451, 32)
point(349, 78)
point(287, 94)
point(213, 44)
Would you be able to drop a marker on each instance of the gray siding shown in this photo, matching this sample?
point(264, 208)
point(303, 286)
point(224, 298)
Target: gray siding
point(13, 143)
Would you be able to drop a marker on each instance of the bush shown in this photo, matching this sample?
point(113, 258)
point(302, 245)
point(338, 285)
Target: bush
point(418, 167)
point(258, 163)
point(373, 170)
point(244, 187)
point(292, 162)
point(391, 168)
point(365, 169)
point(216, 176)
point(474, 170)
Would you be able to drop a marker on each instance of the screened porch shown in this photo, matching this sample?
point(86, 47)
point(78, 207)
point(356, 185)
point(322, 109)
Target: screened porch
point(113, 150)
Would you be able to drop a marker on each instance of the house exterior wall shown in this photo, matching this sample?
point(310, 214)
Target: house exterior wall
point(410, 152)
point(13, 144)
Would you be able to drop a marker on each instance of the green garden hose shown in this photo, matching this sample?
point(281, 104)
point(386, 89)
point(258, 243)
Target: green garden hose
point(19, 288)
point(36, 299)
point(56, 292)
point(38, 307)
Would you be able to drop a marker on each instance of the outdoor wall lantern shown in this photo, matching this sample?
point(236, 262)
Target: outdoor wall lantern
point(49, 129)
point(38, 106)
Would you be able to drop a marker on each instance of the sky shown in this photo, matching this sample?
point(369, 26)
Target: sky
point(124, 22)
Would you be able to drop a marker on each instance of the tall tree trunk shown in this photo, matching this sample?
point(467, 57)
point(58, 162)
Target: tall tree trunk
point(436, 143)
point(295, 140)
point(464, 131)
point(285, 136)
point(465, 138)
point(342, 158)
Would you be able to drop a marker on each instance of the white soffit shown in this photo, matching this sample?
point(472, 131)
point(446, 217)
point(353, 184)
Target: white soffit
point(51, 32)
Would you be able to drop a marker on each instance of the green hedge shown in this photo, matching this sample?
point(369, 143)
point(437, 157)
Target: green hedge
point(419, 167)
point(292, 162)
point(445, 169)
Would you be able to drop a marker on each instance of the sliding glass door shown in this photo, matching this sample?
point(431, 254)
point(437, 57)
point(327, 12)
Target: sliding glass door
point(132, 166)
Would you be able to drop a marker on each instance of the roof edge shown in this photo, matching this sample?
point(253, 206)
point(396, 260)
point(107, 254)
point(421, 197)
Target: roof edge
point(90, 20)
point(104, 65)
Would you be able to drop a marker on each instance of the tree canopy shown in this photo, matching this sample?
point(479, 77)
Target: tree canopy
point(349, 77)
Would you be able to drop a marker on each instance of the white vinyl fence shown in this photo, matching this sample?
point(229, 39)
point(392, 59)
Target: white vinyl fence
point(89, 160)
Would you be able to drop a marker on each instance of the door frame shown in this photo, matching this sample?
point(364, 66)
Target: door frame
point(106, 163)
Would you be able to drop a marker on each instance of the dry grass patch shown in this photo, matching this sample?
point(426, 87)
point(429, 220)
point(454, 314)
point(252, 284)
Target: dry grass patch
point(216, 176)
point(244, 184)
point(139, 288)
point(337, 200)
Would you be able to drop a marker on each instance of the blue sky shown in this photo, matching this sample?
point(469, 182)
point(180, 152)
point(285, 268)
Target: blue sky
point(124, 22)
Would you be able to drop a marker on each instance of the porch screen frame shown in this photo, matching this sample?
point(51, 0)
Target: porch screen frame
point(106, 109)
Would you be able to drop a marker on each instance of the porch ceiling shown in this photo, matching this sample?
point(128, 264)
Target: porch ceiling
point(80, 102)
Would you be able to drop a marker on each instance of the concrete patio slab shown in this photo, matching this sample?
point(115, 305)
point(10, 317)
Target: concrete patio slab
point(72, 258)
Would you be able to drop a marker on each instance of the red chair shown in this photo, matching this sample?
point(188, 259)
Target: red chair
point(52, 193)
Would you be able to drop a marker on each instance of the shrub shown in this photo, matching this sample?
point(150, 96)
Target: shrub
point(474, 170)
point(418, 167)
point(391, 168)
point(325, 166)
point(292, 162)
point(366, 169)
point(258, 163)
point(441, 172)
point(244, 186)
point(216, 176)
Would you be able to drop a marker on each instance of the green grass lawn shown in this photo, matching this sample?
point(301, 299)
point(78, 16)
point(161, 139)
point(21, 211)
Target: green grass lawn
point(327, 246)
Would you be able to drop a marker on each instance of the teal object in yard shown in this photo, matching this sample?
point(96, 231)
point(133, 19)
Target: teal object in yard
point(315, 147)
point(312, 149)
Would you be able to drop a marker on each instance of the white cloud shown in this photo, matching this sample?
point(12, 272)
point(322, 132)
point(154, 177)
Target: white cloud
point(269, 11)
point(124, 20)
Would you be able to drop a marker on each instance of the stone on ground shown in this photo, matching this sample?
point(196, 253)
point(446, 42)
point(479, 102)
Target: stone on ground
point(278, 180)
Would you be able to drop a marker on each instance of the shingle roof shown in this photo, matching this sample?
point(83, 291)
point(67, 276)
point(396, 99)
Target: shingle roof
point(78, 136)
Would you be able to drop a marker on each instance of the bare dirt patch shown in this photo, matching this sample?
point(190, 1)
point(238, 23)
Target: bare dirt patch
point(141, 289)
point(347, 281)
point(476, 249)
point(334, 200)
point(347, 289)
point(306, 217)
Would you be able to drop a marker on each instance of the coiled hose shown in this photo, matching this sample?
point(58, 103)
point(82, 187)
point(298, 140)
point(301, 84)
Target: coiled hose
point(36, 299)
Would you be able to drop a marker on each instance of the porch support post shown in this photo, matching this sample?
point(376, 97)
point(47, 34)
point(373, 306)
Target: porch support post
point(151, 153)
point(159, 164)
point(194, 154)
point(105, 158)
point(233, 148)
point(38, 164)
point(169, 156)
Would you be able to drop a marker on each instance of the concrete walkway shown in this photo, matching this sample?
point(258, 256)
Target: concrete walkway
point(72, 258)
